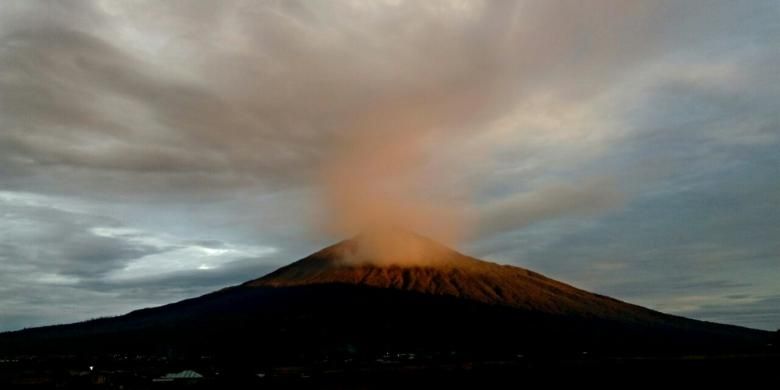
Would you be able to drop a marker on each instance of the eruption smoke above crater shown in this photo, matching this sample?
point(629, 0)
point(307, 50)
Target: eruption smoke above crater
point(409, 154)
point(390, 172)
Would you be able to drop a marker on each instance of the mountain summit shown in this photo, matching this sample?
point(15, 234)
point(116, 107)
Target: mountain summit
point(391, 290)
point(384, 247)
point(402, 260)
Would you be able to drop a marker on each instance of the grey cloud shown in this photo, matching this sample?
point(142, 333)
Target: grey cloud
point(761, 313)
point(276, 101)
point(670, 286)
point(63, 77)
point(551, 201)
point(209, 243)
point(60, 242)
point(188, 283)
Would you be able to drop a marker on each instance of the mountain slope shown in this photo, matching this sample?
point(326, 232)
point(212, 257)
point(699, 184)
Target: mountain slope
point(442, 271)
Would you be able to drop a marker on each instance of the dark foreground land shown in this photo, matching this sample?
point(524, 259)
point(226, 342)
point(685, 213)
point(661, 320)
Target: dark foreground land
point(389, 371)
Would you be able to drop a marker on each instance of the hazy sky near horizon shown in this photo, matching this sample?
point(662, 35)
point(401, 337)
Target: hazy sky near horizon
point(152, 151)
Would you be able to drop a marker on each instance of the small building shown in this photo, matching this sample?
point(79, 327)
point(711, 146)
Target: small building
point(184, 376)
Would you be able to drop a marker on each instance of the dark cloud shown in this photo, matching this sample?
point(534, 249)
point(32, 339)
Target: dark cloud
point(759, 313)
point(550, 201)
point(738, 296)
point(670, 285)
point(61, 242)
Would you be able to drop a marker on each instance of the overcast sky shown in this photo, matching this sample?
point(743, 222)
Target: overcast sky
point(152, 151)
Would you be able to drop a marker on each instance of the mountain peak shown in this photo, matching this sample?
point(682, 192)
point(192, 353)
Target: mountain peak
point(385, 247)
point(388, 246)
point(386, 251)
point(392, 258)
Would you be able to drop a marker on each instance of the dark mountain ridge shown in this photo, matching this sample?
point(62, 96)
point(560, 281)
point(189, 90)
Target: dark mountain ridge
point(362, 297)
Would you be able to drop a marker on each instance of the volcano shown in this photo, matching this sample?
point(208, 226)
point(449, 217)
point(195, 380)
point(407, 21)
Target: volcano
point(391, 291)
